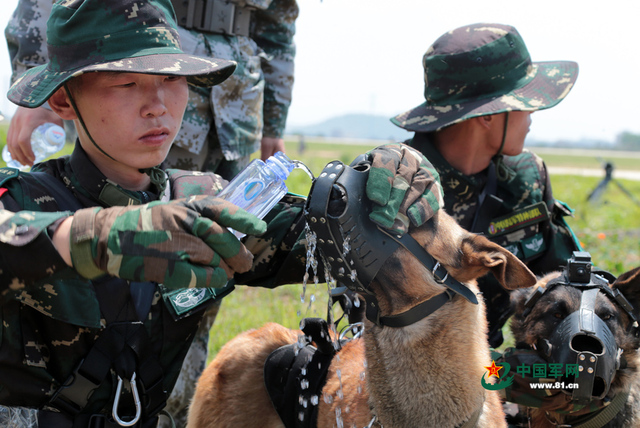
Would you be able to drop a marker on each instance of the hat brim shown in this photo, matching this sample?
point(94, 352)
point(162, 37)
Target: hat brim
point(36, 85)
point(552, 82)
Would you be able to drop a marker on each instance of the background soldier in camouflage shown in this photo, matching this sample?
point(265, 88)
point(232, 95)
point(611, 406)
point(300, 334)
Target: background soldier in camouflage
point(222, 126)
point(480, 89)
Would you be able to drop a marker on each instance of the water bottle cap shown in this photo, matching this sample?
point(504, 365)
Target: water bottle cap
point(55, 135)
point(283, 165)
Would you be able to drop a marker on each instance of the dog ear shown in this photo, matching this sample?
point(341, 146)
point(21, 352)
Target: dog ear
point(510, 272)
point(629, 285)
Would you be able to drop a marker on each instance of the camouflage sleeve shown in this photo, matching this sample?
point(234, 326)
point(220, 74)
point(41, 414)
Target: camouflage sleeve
point(273, 32)
point(26, 35)
point(280, 253)
point(560, 240)
point(26, 251)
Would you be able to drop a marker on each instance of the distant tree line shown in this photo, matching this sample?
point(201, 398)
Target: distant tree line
point(627, 141)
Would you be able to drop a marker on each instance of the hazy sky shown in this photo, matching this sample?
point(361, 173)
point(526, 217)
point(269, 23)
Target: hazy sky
point(364, 56)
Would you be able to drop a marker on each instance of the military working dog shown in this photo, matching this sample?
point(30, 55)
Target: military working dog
point(425, 374)
point(556, 320)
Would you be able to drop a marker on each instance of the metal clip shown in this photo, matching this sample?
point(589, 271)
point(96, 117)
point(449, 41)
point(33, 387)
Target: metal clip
point(435, 276)
point(136, 402)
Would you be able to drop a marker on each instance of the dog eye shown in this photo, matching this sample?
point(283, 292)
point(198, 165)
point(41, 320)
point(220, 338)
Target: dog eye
point(607, 316)
point(558, 315)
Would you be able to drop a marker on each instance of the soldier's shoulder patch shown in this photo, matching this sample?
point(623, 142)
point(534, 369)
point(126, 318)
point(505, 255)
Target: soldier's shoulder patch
point(8, 173)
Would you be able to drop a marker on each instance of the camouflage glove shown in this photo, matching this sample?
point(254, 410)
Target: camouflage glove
point(404, 187)
point(182, 243)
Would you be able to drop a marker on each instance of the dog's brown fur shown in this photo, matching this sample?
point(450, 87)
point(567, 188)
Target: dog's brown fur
point(557, 304)
point(423, 375)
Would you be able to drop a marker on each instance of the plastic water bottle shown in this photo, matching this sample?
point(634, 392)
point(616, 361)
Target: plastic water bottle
point(260, 186)
point(46, 140)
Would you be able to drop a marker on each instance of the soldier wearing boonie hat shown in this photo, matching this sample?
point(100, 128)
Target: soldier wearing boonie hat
point(107, 261)
point(480, 88)
point(95, 45)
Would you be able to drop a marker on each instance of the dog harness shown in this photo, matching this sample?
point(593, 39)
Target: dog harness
point(353, 248)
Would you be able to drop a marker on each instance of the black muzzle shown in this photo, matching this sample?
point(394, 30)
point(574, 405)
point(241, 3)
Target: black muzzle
point(584, 341)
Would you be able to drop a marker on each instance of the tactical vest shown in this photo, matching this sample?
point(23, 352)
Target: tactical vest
point(68, 344)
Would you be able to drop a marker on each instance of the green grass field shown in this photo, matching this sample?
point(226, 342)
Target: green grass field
point(609, 230)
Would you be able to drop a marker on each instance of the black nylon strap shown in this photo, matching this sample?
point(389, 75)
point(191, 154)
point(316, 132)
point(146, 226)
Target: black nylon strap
point(440, 273)
point(488, 203)
point(418, 312)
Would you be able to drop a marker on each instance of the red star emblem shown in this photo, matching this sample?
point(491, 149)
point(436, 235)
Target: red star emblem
point(493, 370)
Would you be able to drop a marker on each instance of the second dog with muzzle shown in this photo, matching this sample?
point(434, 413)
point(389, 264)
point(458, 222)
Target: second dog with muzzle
point(585, 324)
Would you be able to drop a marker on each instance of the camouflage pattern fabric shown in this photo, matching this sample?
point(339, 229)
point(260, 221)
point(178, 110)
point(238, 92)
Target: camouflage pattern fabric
point(404, 187)
point(484, 69)
point(227, 122)
point(18, 417)
point(182, 243)
point(192, 367)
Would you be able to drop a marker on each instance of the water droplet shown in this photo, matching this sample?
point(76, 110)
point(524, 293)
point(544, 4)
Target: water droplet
point(314, 400)
point(299, 165)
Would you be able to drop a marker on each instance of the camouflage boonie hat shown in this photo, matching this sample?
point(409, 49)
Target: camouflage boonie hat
point(134, 36)
point(484, 69)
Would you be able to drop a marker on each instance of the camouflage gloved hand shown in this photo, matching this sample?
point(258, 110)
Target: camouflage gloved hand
point(404, 187)
point(182, 243)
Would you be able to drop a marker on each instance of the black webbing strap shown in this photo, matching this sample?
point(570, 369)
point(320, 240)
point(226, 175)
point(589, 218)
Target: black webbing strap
point(488, 203)
point(123, 346)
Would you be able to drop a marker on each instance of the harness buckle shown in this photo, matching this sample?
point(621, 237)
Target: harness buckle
point(213, 16)
point(136, 402)
point(73, 395)
point(436, 276)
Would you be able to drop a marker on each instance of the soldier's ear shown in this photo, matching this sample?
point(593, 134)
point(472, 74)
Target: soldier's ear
point(61, 105)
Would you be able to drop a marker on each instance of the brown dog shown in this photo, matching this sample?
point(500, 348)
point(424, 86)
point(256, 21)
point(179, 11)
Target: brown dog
point(427, 374)
point(540, 323)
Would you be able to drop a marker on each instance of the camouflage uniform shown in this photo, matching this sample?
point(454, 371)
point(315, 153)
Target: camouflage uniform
point(49, 313)
point(485, 69)
point(222, 125)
